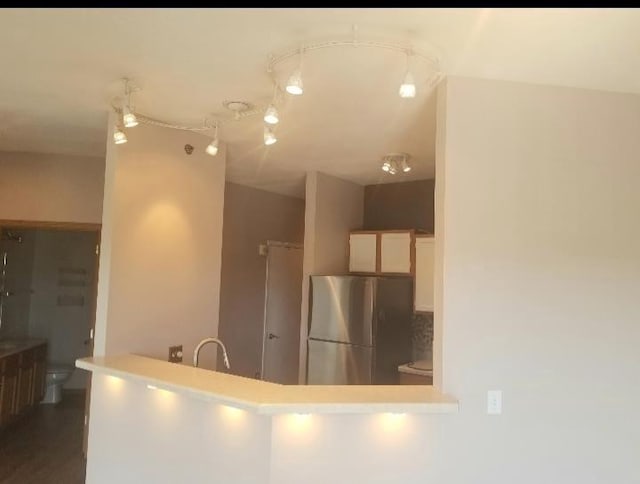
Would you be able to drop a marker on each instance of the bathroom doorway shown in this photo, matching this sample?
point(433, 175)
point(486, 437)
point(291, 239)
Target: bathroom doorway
point(48, 289)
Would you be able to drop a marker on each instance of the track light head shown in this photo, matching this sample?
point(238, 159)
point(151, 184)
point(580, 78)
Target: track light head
point(128, 118)
point(408, 86)
point(294, 84)
point(212, 148)
point(119, 136)
point(269, 136)
point(271, 115)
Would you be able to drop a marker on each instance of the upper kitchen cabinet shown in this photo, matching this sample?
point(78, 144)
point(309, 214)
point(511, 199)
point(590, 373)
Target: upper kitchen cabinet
point(363, 252)
point(380, 252)
point(423, 286)
point(396, 252)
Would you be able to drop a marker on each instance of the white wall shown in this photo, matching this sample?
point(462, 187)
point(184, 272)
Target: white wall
point(48, 187)
point(140, 435)
point(537, 198)
point(541, 281)
point(333, 207)
point(159, 276)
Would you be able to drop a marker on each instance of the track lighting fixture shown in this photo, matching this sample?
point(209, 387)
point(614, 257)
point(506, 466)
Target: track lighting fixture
point(271, 115)
point(119, 137)
point(128, 117)
point(392, 163)
point(269, 136)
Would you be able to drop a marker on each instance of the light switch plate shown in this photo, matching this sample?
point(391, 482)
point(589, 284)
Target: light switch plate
point(494, 402)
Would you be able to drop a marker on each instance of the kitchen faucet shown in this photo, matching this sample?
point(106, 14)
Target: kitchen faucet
point(205, 341)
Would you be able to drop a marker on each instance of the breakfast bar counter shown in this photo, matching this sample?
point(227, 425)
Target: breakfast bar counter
point(270, 398)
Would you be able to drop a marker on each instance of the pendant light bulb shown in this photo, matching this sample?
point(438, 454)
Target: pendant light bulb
point(408, 86)
point(119, 136)
point(212, 148)
point(405, 166)
point(271, 115)
point(386, 166)
point(269, 136)
point(128, 118)
point(294, 84)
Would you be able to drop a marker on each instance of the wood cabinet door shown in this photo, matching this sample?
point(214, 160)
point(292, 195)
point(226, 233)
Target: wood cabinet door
point(363, 252)
point(424, 285)
point(395, 252)
point(25, 380)
point(39, 375)
point(8, 383)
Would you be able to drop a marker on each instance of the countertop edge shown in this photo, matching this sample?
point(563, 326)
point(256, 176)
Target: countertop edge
point(274, 399)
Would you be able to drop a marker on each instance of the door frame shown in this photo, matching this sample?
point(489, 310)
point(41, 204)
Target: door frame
point(268, 244)
point(71, 227)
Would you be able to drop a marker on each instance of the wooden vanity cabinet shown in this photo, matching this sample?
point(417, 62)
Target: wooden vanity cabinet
point(22, 382)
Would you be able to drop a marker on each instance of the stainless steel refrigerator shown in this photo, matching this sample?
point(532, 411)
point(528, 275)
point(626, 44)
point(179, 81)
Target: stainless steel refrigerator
point(359, 329)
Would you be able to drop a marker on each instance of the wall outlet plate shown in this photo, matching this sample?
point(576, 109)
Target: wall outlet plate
point(175, 354)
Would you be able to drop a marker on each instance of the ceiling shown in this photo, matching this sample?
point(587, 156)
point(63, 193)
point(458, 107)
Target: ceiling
point(61, 69)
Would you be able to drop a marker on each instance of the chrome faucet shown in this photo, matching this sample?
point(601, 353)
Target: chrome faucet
point(205, 341)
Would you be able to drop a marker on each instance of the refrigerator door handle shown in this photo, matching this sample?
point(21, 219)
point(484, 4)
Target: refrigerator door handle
point(369, 310)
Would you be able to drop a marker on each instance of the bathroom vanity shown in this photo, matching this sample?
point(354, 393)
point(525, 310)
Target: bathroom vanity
point(23, 368)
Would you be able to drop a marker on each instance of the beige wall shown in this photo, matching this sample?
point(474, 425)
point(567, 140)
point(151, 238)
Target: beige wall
point(333, 208)
point(251, 217)
point(159, 274)
point(47, 187)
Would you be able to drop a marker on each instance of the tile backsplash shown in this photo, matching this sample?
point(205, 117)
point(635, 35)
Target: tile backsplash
point(422, 325)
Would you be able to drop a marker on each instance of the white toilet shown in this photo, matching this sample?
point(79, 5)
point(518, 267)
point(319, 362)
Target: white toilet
point(57, 375)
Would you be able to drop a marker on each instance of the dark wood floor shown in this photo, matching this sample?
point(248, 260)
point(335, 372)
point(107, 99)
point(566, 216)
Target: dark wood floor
point(46, 446)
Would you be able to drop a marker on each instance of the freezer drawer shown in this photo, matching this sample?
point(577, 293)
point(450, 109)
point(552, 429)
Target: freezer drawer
point(339, 364)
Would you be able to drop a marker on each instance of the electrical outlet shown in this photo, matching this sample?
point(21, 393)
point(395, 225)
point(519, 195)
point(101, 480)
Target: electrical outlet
point(175, 354)
point(494, 402)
